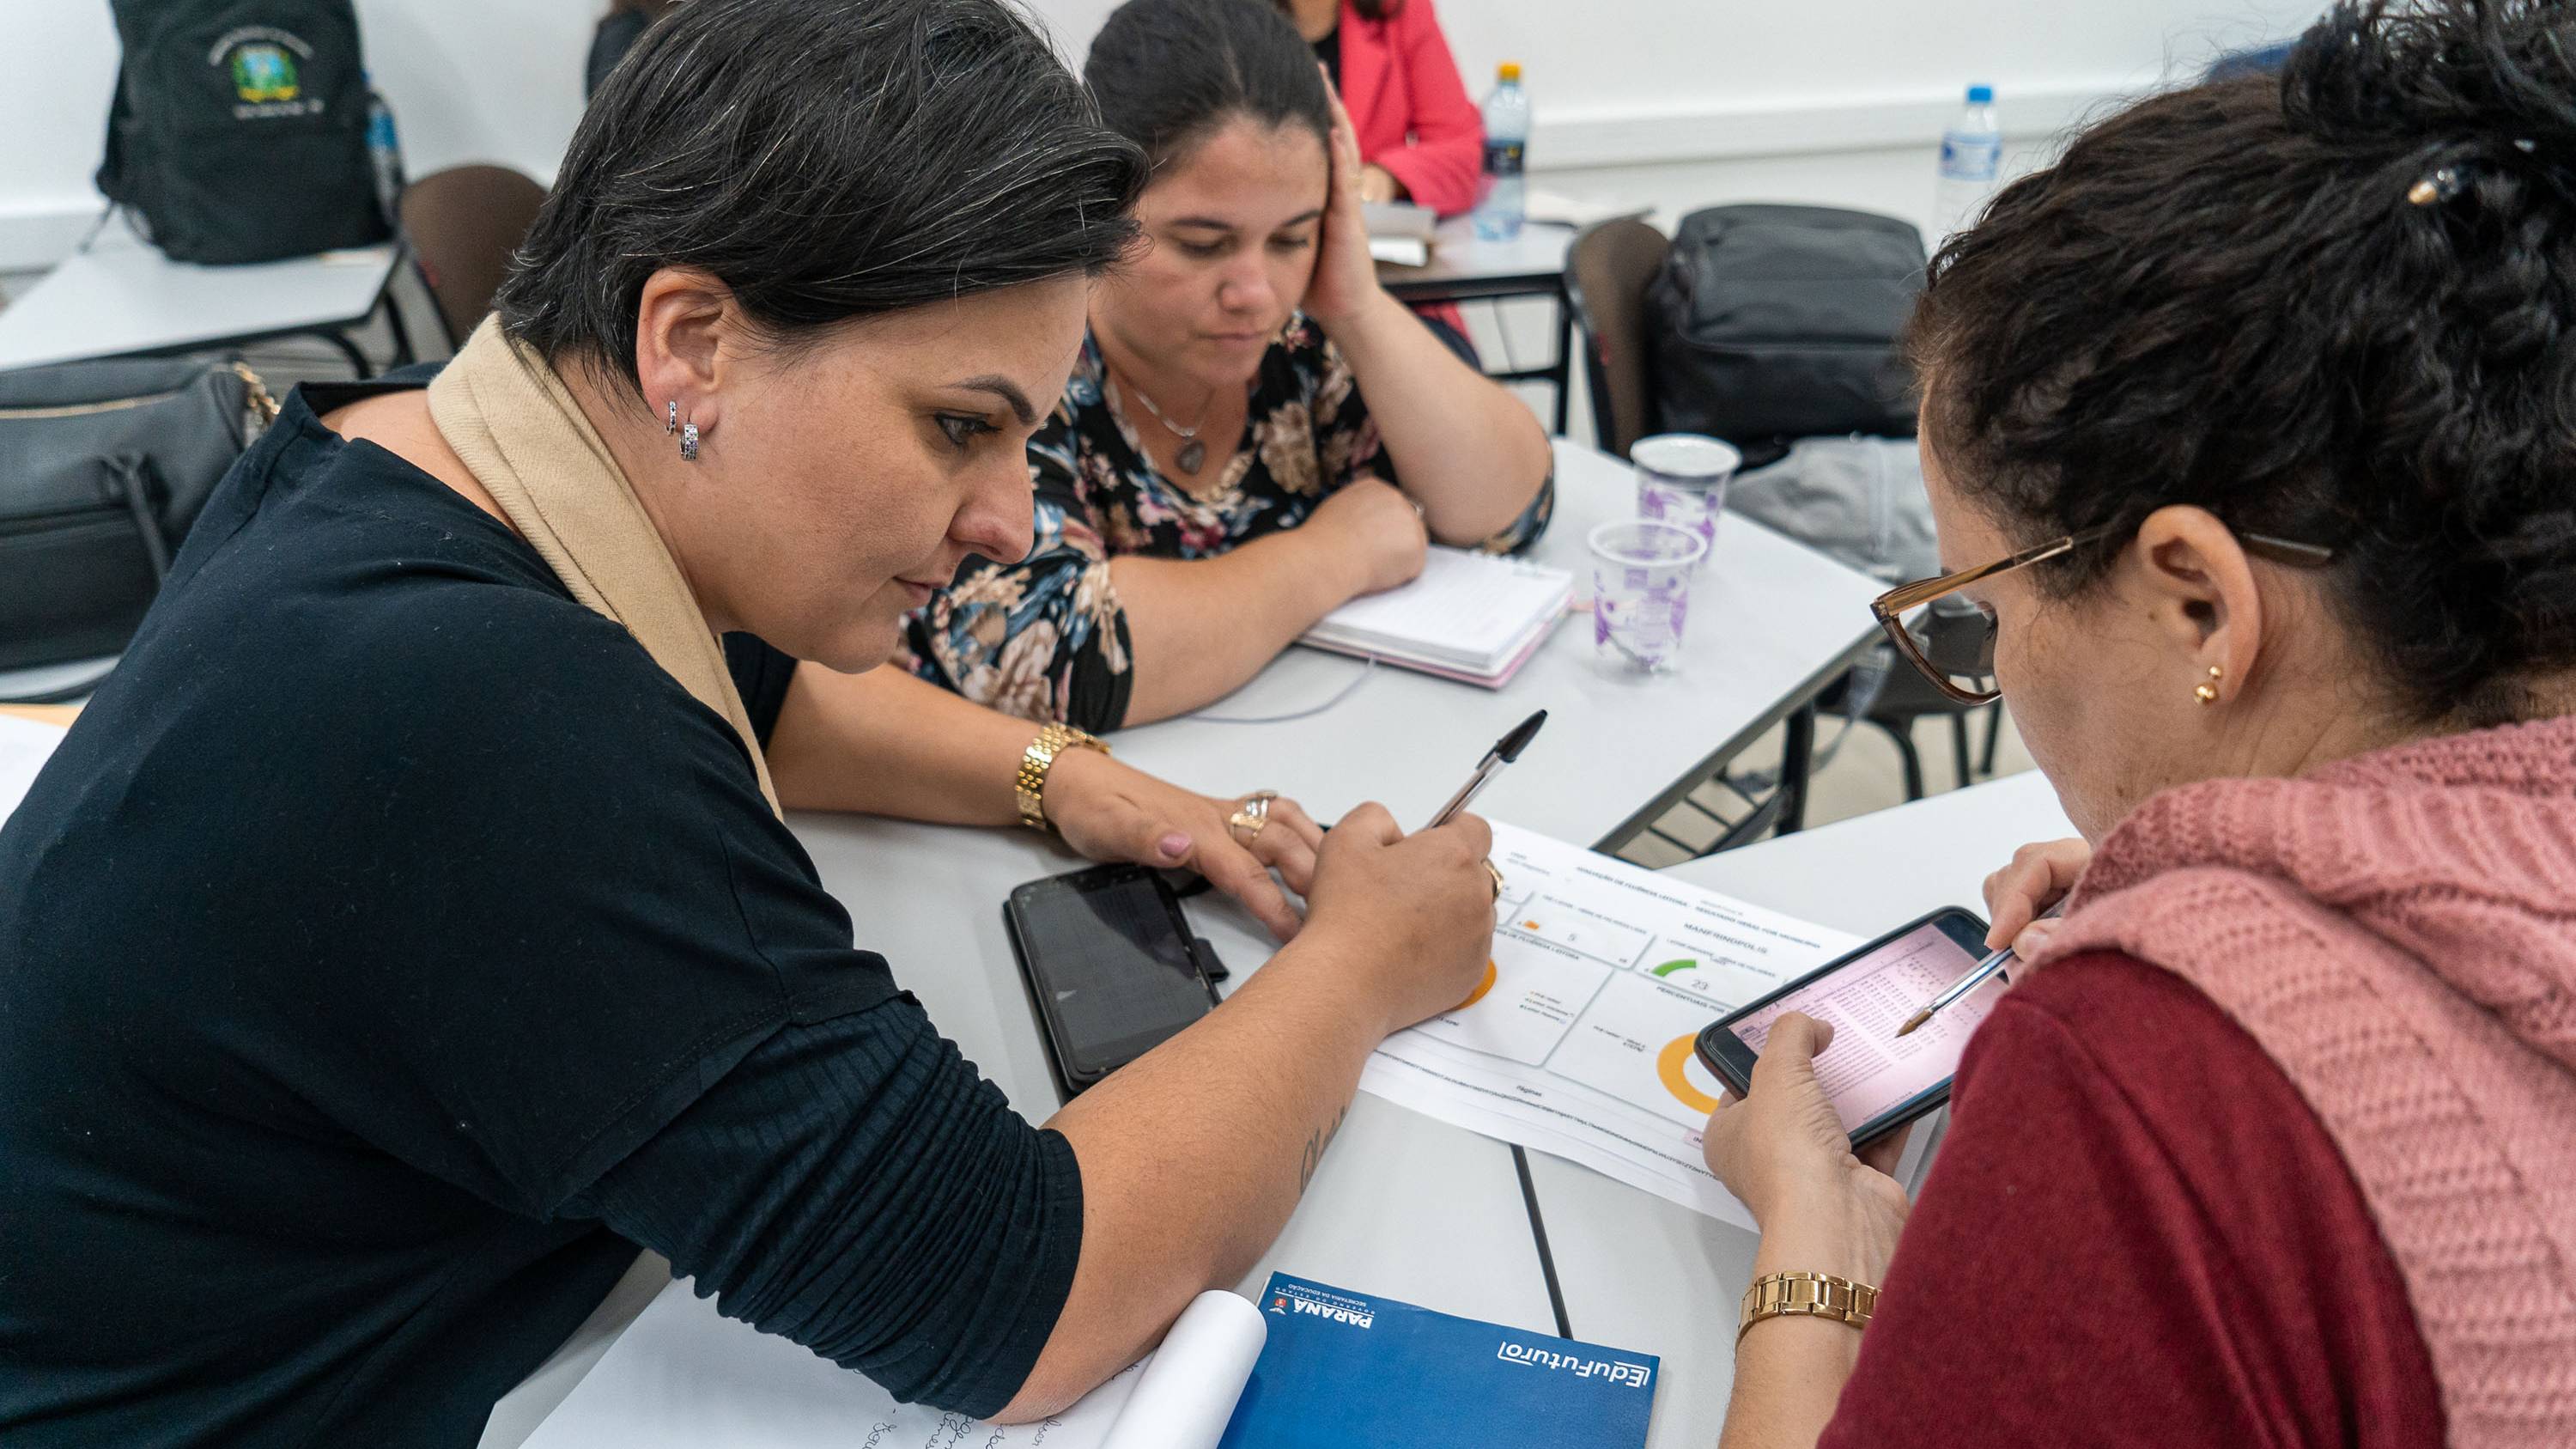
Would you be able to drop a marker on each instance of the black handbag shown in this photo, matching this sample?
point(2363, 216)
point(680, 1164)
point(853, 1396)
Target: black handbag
point(103, 467)
point(1773, 323)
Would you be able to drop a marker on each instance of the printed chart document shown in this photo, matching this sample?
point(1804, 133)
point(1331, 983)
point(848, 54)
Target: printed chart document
point(1348, 1369)
point(1468, 616)
point(683, 1376)
point(1579, 1040)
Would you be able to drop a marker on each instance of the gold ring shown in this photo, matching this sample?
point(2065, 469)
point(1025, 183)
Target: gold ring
point(1246, 822)
point(1496, 872)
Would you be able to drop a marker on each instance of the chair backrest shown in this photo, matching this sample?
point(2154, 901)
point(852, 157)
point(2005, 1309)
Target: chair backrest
point(462, 224)
point(1606, 272)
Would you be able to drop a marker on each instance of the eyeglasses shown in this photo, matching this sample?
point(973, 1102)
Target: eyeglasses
point(1953, 640)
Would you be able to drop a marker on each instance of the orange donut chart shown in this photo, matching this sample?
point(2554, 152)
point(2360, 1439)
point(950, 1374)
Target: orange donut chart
point(1481, 988)
point(1668, 1065)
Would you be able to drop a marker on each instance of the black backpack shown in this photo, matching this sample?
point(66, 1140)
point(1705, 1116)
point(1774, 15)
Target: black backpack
point(238, 132)
point(1773, 323)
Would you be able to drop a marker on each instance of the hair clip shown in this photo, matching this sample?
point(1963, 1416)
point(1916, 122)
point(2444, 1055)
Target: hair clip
point(2439, 187)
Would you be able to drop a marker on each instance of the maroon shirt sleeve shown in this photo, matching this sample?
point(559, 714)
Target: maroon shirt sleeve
point(2136, 1233)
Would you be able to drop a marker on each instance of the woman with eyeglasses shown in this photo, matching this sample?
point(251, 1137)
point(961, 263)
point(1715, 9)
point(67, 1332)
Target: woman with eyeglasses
point(2250, 427)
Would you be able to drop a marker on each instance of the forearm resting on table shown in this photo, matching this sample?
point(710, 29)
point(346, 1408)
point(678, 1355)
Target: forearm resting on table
point(1184, 1188)
point(885, 743)
point(1789, 1371)
point(1198, 628)
point(1468, 451)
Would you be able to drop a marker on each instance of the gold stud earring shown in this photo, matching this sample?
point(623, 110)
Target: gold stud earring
point(2208, 693)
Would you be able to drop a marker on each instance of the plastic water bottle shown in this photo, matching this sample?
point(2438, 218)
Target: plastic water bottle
point(1507, 125)
point(1972, 161)
point(384, 151)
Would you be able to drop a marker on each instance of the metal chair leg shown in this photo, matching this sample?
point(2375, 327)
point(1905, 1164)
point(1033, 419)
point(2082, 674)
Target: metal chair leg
point(1994, 734)
point(1959, 756)
point(1797, 768)
point(1905, 751)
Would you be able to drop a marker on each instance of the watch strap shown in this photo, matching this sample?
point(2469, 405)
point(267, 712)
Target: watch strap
point(1030, 787)
point(1809, 1295)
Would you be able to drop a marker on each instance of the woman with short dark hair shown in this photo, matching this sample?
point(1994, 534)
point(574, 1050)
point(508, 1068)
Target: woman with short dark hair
point(2251, 426)
point(1255, 432)
point(409, 931)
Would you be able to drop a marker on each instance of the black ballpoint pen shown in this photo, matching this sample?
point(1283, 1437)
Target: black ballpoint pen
point(1505, 750)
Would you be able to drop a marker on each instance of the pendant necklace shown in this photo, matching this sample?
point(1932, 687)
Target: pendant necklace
point(1193, 454)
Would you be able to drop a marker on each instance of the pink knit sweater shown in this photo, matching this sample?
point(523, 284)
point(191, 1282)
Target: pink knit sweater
point(2398, 931)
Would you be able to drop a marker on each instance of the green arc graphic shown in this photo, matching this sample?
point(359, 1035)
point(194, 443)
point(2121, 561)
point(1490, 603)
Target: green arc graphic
point(1669, 967)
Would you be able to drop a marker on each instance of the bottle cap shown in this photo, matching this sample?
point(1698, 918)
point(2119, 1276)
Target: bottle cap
point(1981, 95)
point(1509, 70)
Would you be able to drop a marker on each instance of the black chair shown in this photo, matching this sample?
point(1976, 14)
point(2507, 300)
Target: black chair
point(462, 224)
point(1607, 271)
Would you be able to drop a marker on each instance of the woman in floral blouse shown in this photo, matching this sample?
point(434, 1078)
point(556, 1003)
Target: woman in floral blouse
point(1212, 482)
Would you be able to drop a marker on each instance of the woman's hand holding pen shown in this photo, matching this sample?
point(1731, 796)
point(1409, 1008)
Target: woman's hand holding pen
point(1782, 1149)
point(2038, 877)
point(1409, 918)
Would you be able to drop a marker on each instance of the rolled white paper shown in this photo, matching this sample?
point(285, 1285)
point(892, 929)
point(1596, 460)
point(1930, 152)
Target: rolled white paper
point(1188, 1391)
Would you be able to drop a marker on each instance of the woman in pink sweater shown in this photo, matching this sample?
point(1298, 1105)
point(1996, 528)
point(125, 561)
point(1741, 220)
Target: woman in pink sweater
point(2251, 426)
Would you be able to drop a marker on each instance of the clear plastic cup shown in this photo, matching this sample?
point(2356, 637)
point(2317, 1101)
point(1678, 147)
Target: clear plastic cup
point(1681, 480)
point(1641, 578)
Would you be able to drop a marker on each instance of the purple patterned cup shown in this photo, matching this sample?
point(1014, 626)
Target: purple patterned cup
point(1641, 577)
point(1681, 480)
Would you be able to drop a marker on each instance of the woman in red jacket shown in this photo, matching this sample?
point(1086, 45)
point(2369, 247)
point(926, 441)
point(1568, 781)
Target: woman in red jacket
point(1420, 137)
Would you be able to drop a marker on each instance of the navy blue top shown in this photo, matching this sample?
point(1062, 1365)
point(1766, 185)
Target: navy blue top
point(389, 950)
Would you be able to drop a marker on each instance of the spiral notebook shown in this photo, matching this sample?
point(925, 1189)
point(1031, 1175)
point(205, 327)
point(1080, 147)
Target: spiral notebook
point(1468, 616)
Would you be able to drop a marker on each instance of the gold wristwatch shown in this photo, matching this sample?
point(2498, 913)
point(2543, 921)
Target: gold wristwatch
point(1039, 758)
point(1817, 1295)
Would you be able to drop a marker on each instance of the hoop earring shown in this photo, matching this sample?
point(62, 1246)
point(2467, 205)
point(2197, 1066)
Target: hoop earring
point(2207, 694)
point(671, 419)
point(688, 442)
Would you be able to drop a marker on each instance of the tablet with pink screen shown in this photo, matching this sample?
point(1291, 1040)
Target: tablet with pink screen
point(1877, 1080)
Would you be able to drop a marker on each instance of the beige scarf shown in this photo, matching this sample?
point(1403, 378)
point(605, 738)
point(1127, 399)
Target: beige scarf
point(525, 440)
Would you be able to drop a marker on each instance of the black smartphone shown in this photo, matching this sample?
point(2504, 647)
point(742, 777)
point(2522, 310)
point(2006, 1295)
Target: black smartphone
point(1877, 1080)
point(1111, 967)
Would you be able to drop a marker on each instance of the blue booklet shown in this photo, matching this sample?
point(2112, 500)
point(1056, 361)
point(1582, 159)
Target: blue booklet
point(1344, 1368)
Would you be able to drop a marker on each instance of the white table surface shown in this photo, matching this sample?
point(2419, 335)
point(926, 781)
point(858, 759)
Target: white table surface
point(1767, 616)
point(1640, 1273)
point(1402, 1206)
point(1459, 255)
point(123, 297)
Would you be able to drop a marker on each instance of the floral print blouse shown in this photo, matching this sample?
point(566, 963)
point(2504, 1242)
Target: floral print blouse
point(1045, 638)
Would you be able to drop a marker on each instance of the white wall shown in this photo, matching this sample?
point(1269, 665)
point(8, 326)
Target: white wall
point(1664, 103)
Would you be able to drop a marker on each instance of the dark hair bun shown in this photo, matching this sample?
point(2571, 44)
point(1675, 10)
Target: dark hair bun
point(2489, 83)
point(2335, 306)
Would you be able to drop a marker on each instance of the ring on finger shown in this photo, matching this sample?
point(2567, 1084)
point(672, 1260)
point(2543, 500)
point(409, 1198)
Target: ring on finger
point(1248, 818)
point(1496, 872)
